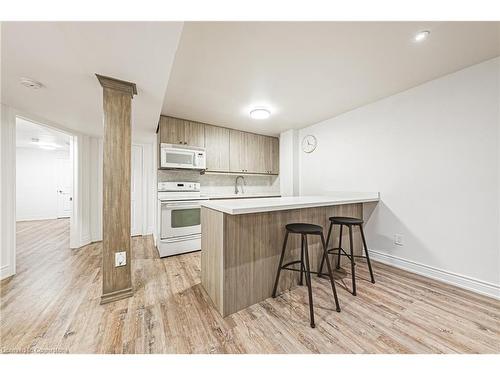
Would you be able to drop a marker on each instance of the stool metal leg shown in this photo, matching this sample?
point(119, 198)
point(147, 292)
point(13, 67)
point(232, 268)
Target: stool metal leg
point(340, 246)
point(366, 253)
point(330, 272)
point(280, 264)
point(353, 274)
point(325, 254)
point(308, 281)
point(301, 280)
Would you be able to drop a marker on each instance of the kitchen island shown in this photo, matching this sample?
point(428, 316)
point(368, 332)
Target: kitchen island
point(241, 242)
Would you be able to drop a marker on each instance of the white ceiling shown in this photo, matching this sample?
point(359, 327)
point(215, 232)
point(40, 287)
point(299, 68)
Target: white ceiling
point(64, 57)
point(31, 135)
point(306, 72)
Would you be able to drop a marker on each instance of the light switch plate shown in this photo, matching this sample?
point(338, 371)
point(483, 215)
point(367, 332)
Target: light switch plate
point(120, 258)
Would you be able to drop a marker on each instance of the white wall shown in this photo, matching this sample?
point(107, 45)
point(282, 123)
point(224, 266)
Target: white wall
point(289, 160)
point(433, 153)
point(96, 160)
point(80, 220)
point(37, 183)
point(8, 194)
point(85, 221)
point(95, 187)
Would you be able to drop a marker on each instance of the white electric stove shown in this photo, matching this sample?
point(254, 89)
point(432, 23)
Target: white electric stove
point(179, 217)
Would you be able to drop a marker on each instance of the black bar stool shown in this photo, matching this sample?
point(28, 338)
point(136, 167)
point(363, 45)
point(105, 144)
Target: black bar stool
point(349, 222)
point(305, 229)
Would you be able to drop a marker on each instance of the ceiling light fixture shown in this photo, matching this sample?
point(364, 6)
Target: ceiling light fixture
point(260, 113)
point(30, 83)
point(422, 35)
point(45, 145)
point(50, 148)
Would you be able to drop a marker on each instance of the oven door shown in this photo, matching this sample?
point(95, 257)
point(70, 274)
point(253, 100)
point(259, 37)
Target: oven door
point(180, 219)
point(177, 158)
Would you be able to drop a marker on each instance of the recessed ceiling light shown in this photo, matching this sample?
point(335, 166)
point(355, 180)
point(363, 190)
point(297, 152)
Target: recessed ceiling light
point(260, 113)
point(30, 83)
point(422, 35)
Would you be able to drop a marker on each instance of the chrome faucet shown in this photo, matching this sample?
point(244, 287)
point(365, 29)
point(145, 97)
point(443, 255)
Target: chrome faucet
point(236, 185)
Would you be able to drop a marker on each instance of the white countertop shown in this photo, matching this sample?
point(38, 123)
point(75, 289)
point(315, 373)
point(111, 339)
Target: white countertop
point(240, 196)
point(165, 197)
point(254, 205)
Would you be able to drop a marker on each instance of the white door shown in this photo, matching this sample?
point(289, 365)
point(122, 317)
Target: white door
point(136, 191)
point(64, 188)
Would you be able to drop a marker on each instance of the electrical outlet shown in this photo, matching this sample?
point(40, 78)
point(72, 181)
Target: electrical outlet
point(398, 239)
point(120, 258)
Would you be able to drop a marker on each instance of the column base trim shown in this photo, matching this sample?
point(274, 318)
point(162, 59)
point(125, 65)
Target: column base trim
point(115, 296)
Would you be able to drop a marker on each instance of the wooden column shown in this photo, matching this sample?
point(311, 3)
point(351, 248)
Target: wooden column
point(117, 103)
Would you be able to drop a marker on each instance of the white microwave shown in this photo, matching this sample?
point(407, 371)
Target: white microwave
point(182, 157)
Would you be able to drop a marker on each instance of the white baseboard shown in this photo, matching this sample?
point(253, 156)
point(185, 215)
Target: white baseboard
point(465, 282)
point(6, 271)
point(35, 218)
point(85, 240)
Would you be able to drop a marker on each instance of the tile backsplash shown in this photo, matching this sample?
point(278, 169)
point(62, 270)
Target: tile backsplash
point(223, 184)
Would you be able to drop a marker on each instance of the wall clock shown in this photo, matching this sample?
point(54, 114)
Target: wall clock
point(309, 143)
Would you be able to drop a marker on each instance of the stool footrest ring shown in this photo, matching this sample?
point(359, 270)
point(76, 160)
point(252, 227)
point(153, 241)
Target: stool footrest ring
point(290, 263)
point(332, 251)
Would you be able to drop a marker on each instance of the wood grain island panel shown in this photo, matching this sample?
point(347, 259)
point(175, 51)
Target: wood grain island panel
point(240, 253)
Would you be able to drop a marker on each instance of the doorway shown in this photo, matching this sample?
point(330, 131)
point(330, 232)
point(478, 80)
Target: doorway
point(44, 190)
point(136, 191)
point(64, 180)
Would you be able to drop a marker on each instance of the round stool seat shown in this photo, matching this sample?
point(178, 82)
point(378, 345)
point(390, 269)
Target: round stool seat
point(304, 228)
point(340, 220)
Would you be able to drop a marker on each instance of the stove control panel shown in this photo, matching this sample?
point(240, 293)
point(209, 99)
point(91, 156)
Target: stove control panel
point(178, 186)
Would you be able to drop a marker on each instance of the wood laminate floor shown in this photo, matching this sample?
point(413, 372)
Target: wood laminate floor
point(52, 305)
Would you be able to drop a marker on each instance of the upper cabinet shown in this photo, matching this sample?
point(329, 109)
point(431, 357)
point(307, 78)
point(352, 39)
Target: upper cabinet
point(253, 153)
point(238, 151)
point(270, 151)
point(171, 130)
point(274, 152)
point(194, 133)
point(181, 132)
point(228, 150)
point(217, 146)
